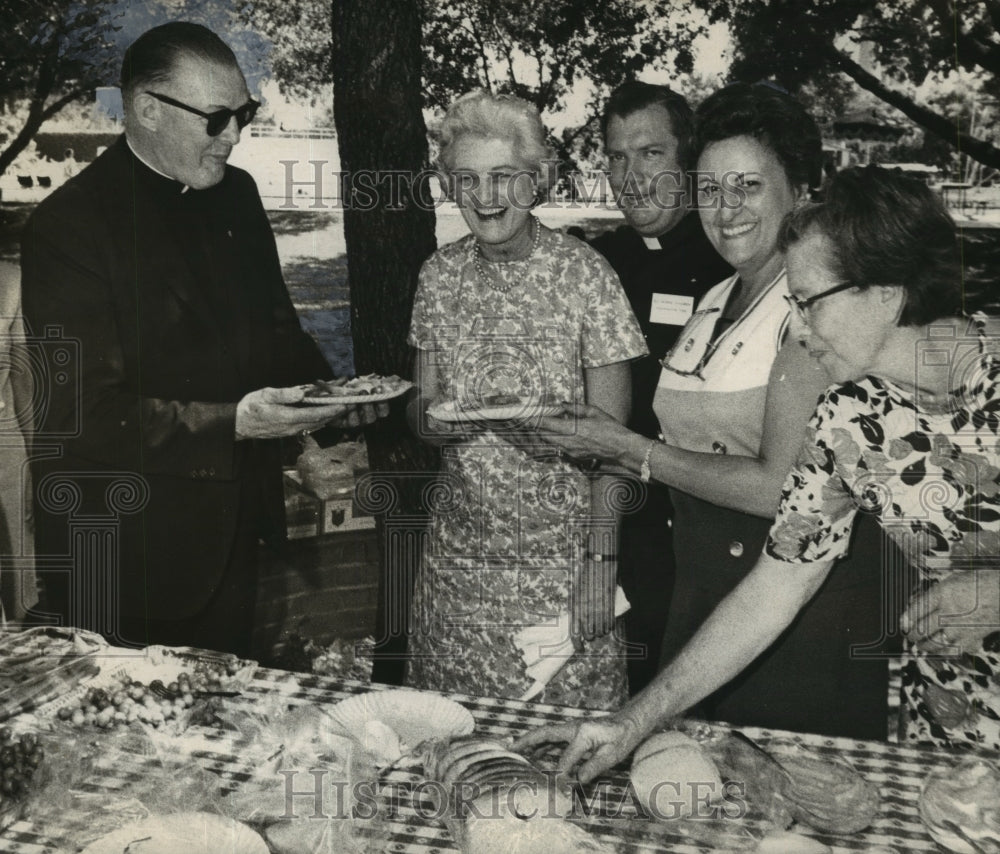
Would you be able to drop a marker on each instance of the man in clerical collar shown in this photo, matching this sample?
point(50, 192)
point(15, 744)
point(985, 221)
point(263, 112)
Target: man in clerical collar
point(155, 271)
point(665, 264)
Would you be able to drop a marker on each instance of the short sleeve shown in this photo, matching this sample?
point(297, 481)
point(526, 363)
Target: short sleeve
point(427, 309)
point(610, 331)
point(817, 509)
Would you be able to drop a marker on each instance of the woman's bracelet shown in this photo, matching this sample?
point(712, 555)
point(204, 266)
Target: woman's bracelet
point(645, 472)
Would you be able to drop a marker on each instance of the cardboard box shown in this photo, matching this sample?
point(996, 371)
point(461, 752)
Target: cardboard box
point(309, 516)
point(344, 515)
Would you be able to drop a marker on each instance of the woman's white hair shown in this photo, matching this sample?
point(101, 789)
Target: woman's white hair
point(507, 117)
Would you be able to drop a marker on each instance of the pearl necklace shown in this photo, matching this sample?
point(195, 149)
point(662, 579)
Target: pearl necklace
point(489, 279)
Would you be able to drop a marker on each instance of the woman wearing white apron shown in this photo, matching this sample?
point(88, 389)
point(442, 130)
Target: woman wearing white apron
point(733, 403)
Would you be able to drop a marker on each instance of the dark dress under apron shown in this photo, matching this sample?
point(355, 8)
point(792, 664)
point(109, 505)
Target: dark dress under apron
point(818, 676)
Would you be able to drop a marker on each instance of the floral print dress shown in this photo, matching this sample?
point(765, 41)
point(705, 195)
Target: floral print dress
point(501, 551)
point(932, 475)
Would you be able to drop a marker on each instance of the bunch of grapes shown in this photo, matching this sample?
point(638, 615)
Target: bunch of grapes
point(19, 759)
point(155, 704)
point(211, 674)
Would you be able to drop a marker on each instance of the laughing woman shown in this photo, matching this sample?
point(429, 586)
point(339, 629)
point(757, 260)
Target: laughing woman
point(512, 311)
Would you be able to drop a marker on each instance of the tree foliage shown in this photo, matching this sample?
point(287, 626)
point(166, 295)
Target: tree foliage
point(51, 54)
point(300, 36)
point(546, 51)
point(540, 49)
point(800, 42)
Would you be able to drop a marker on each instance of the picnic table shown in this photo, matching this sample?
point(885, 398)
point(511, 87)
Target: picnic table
point(406, 824)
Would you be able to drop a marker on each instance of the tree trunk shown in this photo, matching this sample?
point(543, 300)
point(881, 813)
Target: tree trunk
point(383, 144)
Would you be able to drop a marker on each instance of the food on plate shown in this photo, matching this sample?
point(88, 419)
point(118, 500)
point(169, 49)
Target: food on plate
point(505, 400)
point(826, 795)
point(190, 832)
point(494, 800)
point(498, 399)
point(20, 759)
point(672, 775)
point(368, 385)
point(963, 801)
point(495, 407)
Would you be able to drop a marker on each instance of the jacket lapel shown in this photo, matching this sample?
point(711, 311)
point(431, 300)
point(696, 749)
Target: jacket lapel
point(159, 261)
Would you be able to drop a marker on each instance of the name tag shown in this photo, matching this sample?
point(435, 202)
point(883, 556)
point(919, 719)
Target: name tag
point(671, 309)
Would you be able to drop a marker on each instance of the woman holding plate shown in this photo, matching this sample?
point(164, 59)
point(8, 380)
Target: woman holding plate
point(504, 319)
point(733, 401)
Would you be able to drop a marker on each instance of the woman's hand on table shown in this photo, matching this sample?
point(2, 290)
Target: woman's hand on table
point(956, 614)
point(583, 431)
point(592, 747)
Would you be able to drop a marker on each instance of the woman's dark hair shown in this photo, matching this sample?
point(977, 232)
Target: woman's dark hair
point(151, 58)
point(770, 116)
point(634, 95)
point(887, 229)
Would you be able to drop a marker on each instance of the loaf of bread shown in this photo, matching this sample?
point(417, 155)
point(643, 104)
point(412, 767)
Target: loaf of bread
point(671, 775)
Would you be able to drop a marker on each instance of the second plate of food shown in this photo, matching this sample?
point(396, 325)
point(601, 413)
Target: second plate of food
point(525, 409)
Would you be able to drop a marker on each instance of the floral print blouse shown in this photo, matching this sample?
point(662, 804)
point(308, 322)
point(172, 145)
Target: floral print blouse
point(932, 474)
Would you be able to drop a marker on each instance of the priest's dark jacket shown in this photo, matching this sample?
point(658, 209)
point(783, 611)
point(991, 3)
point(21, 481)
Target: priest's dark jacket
point(156, 308)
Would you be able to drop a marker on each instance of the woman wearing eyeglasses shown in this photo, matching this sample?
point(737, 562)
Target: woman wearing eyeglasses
point(733, 402)
point(908, 434)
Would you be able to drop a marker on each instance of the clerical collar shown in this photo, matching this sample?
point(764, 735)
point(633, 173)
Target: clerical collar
point(681, 233)
point(151, 167)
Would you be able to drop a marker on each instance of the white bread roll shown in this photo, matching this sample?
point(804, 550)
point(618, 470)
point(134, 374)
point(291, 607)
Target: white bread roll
point(673, 777)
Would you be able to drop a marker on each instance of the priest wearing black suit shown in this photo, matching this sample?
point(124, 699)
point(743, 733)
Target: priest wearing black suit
point(665, 264)
point(158, 471)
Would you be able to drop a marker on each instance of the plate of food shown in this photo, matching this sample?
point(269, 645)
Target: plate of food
point(495, 407)
point(371, 388)
point(390, 724)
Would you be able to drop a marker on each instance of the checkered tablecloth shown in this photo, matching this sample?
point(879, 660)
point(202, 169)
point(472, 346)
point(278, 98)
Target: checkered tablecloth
point(898, 771)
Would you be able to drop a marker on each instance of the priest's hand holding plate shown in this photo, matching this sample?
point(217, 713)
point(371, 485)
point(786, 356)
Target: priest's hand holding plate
point(270, 413)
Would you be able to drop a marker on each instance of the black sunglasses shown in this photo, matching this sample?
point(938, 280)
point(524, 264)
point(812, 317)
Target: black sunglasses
point(218, 120)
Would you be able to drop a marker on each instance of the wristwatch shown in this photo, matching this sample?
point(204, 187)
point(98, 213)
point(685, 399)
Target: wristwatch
point(644, 472)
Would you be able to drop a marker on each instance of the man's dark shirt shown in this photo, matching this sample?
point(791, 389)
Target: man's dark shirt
point(685, 265)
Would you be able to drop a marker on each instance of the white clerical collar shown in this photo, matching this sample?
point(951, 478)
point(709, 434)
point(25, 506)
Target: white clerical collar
point(651, 242)
point(149, 165)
